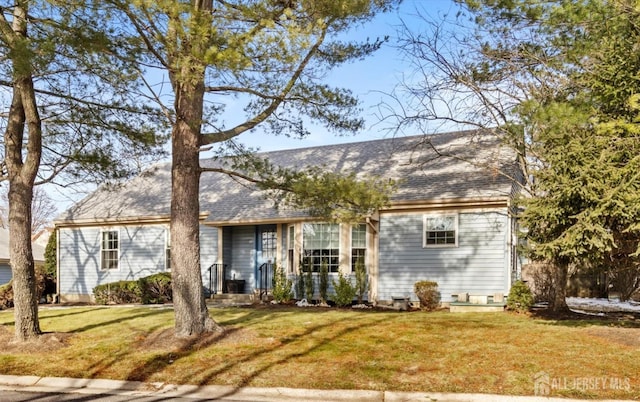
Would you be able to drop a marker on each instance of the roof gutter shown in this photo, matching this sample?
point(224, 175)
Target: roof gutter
point(404, 206)
point(127, 220)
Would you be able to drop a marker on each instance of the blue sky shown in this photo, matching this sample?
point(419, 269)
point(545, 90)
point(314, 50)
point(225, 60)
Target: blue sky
point(369, 79)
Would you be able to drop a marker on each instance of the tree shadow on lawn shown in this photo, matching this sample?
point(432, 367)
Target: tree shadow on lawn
point(622, 328)
point(51, 313)
point(576, 319)
point(50, 341)
point(119, 320)
point(189, 346)
point(54, 313)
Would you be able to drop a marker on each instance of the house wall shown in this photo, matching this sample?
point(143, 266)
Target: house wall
point(5, 273)
point(227, 251)
point(479, 264)
point(142, 253)
point(208, 252)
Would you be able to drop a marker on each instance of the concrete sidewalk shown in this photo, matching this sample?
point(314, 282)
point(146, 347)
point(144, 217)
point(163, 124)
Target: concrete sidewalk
point(222, 393)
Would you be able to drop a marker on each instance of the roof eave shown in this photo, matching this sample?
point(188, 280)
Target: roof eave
point(126, 220)
point(448, 203)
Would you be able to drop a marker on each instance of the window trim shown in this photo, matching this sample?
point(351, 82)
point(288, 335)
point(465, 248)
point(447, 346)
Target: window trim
point(351, 248)
point(426, 217)
point(333, 268)
point(102, 250)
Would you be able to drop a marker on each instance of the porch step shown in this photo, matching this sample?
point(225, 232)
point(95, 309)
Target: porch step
point(458, 307)
point(231, 298)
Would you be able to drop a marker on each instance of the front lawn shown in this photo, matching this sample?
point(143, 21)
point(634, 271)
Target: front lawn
point(500, 353)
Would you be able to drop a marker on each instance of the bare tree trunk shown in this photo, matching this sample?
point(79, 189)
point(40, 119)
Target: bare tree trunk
point(25, 297)
point(191, 313)
point(21, 179)
point(22, 168)
point(558, 302)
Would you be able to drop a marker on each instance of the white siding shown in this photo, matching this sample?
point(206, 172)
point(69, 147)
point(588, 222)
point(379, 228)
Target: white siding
point(208, 251)
point(5, 273)
point(478, 265)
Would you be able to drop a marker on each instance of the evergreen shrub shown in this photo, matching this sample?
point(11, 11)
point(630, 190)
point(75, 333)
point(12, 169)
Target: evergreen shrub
point(282, 286)
point(361, 280)
point(156, 289)
point(520, 297)
point(344, 290)
point(323, 281)
point(120, 292)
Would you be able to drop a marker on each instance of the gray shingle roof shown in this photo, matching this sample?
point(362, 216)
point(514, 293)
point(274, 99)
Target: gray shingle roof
point(457, 165)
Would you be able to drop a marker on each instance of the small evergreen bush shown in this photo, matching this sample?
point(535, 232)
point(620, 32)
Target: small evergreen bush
point(344, 290)
point(309, 283)
point(120, 292)
point(520, 297)
point(300, 286)
point(427, 292)
point(50, 255)
point(361, 280)
point(156, 289)
point(323, 281)
point(282, 292)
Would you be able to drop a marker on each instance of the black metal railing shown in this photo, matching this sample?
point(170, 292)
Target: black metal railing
point(217, 274)
point(265, 280)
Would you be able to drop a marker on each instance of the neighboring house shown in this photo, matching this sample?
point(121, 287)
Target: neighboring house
point(5, 260)
point(450, 221)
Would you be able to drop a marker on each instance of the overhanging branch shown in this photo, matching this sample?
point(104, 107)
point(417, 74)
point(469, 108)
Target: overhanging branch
point(225, 135)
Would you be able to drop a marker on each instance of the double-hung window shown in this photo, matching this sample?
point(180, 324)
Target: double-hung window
point(440, 230)
point(358, 245)
point(109, 250)
point(321, 244)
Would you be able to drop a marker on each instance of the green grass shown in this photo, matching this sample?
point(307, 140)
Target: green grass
point(331, 348)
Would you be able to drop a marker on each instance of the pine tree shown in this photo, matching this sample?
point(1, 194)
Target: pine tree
point(557, 80)
point(60, 69)
point(271, 54)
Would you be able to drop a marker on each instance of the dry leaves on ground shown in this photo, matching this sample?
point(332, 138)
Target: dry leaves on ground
point(47, 342)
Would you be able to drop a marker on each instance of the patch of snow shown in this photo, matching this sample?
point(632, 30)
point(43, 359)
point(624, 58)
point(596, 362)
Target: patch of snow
point(303, 303)
point(602, 305)
point(588, 312)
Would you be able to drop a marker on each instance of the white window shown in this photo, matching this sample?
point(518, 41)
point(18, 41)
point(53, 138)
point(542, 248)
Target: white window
point(440, 230)
point(321, 244)
point(358, 244)
point(109, 250)
point(167, 250)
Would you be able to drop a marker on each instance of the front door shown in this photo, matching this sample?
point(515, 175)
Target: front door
point(266, 253)
point(267, 244)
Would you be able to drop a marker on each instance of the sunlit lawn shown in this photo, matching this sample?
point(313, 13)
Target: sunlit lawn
point(329, 348)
